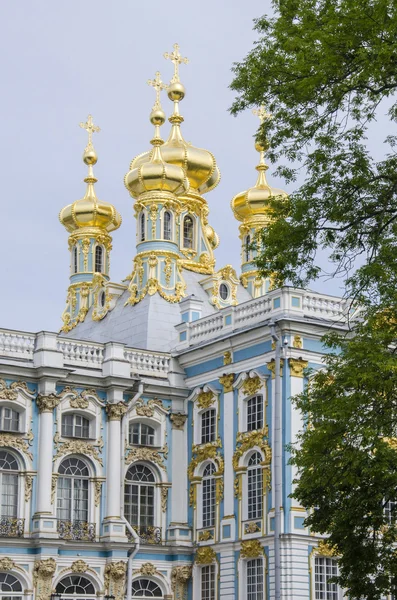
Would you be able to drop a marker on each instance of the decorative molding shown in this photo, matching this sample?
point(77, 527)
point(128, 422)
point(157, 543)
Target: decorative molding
point(43, 572)
point(272, 367)
point(205, 536)
point(114, 578)
point(47, 403)
point(251, 385)
point(205, 556)
point(6, 564)
point(297, 366)
point(179, 581)
point(54, 480)
point(14, 441)
point(10, 392)
point(251, 549)
point(325, 549)
point(79, 566)
point(227, 381)
point(252, 527)
point(148, 569)
point(205, 399)
point(78, 447)
point(147, 409)
point(206, 452)
point(164, 498)
point(79, 402)
point(251, 439)
point(297, 342)
point(178, 420)
point(116, 412)
point(97, 491)
point(28, 486)
point(148, 454)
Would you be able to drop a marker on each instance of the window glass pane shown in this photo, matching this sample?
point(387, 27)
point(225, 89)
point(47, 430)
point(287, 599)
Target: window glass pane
point(208, 496)
point(142, 227)
point(9, 583)
point(324, 569)
point(9, 494)
point(144, 588)
point(255, 413)
point(9, 419)
point(188, 232)
point(255, 579)
point(98, 259)
point(67, 425)
point(208, 429)
point(255, 489)
point(167, 225)
point(208, 583)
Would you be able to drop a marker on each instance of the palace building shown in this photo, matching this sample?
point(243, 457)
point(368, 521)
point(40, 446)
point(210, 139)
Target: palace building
point(143, 448)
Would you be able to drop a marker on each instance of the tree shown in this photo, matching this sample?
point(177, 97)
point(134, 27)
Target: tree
point(326, 69)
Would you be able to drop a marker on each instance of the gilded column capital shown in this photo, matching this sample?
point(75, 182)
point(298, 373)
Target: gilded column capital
point(272, 367)
point(115, 578)
point(116, 412)
point(178, 420)
point(297, 366)
point(227, 381)
point(43, 572)
point(47, 403)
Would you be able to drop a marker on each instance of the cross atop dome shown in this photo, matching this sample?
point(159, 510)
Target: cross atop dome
point(158, 85)
point(90, 128)
point(261, 114)
point(177, 59)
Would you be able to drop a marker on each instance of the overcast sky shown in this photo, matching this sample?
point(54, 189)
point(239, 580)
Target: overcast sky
point(60, 61)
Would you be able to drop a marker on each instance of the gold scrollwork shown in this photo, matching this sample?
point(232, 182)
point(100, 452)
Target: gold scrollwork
point(251, 439)
point(179, 580)
point(43, 572)
point(325, 549)
point(11, 392)
point(297, 366)
point(147, 454)
point(206, 452)
point(205, 399)
point(115, 412)
point(251, 549)
point(227, 381)
point(178, 420)
point(6, 564)
point(114, 578)
point(251, 385)
point(13, 441)
point(272, 367)
point(28, 487)
point(205, 556)
point(205, 536)
point(78, 447)
point(79, 566)
point(47, 403)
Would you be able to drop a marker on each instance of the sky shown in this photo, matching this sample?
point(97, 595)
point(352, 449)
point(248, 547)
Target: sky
point(60, 61)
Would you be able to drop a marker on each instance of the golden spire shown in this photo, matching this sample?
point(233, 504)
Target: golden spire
point(261, 113)
point(158, 85)
point(262, 167)
point(157, 116)
point(177, 59)
point(90, 156)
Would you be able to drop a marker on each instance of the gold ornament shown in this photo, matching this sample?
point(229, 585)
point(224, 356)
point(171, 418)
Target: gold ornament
point(272, 367)
point(248, 440)
point(252, 385)
point(227, 358)
point(28, 487)
point(78, 447)
point(13, 441)
point(164, 498)
point(325, 549)
point(6, 564)
point(146, 454)
point(178, 420)
point(148, 569)
point(179, 580)
point(54, 480)
point(205, 399)
point(251, 549)
point(205, 556)
point(97, 491)
point(297, 366)
point(11, 392)
point(206, 452)
point(43, 572)
point(227, 382)
point(205, 536)
point(114, 578)
point(79, 566)
point(251, 527)
point(297, 342)
point(47, 403)
point(115, 412)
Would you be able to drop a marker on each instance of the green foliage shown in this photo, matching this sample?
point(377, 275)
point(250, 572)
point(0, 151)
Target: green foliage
point(326, 69)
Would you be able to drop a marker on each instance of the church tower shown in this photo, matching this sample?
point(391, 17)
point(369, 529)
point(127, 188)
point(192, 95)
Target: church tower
point(252, 209)
point(89, 222)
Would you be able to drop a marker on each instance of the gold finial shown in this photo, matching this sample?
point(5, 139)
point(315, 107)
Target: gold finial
point(261, 113)
point(158, 85)
point(90, 128)
point(177, 59)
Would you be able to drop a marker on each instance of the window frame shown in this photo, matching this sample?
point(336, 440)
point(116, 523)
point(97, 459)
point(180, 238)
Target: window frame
point(249, 423)
point(15, 474)
point(74, 490)
point(101, 250)
point(134, 422)
point(142, 227)
point(4, 408)
point(75, 260)
point(141, 494)
point(74, 415)
point(247, 251)
point(168, 231)
point(325, 594)
point(211, 434)
point(208, 497)
point(254, 496)
point(212, 591)
point(191, 244)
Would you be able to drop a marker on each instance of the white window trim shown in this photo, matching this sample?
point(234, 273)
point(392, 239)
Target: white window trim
point(313, 575)
point(244, 511)
point(242, 398)
point(194, 241)
point(196, 578)
point(151, 422)
point(158, 516)
point(242, 576)
point(197, 412)
point(162, 221)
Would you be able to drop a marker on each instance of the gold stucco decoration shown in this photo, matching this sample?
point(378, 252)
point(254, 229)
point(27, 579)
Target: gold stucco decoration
point(206, 452)
point(78, 447)
point(205, 399)
point(43, 572)
point(227, 381)
point(148, 569)
point(205, 556)
point(252, 439)
point(251, 549)
point(227, 358)
point(325, 549)
point(179, 579)
point(115, 412)
point(11, 392)
point(205, 536)
point(115, 579)
point(272, 367)
point(252, 385)
point(47, 403)
point(6, 564)
point(79, 566)
point(13, 441)
point(178, 420)
point(146, 454)
point(297, 342)
point(148, 409)
point(28, 486)
point(297, 366)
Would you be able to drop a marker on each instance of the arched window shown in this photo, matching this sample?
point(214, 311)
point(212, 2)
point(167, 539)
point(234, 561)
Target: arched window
point(139, 496)
point(188, 232)
point(208, 426)
point(72, 496)
point(142, 233)
point(247, 249)
point(9, 473)
point(255, 487)
point(144, 588)
point(254, 579)
point(9, 419)
point(75, 426)
point(10, 587)
point(208, 504)
point(141, 434)
point(98, 259)
point(75, 586)
point(75, 260)
point(255, 413)
point(167, 231)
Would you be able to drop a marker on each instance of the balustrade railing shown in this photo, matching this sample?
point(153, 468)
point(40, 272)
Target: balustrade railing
point(147, 363)
point(76, 530)
point(17, 344)
point(11, 527)
point(148, 534)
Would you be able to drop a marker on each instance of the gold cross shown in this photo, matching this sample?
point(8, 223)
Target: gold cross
point(90, 128)
point(261, 113)
point(158, 86)
point(177, 59)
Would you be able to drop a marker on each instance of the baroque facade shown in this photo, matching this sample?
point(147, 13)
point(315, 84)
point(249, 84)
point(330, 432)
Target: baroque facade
point(138, 447)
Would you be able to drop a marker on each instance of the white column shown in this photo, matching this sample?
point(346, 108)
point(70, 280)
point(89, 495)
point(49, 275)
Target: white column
point(179, 469)
point(113, 477)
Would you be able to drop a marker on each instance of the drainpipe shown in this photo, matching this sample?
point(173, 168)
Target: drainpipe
point(278, 465)
point(132, 553)
point(135, 549)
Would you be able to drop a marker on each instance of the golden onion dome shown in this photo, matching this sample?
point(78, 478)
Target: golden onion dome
point(89, 211)
point(254, 202)
point(199, 164)
point(156, 174)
